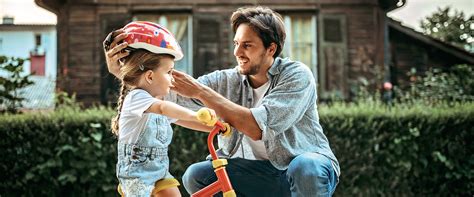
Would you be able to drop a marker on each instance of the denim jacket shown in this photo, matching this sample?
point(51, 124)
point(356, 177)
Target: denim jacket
point(288, 114)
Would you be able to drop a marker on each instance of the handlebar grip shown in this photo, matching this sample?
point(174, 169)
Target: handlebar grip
point(227, 131)
point(204, 116)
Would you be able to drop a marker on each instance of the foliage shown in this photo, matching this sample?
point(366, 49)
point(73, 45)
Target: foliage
point(12, 82)
point(399, 150)
point(437, 86)
point(72, 152)
point(403, 150)
point(64, 100)
point(456, 29)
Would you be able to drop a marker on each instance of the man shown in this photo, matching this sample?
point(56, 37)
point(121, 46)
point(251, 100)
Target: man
point(280, 148)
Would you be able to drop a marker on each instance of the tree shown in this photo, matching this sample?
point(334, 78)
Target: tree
point(455, 29)
point(11, 81)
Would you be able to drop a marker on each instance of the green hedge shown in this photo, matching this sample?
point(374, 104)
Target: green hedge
point(406, 151)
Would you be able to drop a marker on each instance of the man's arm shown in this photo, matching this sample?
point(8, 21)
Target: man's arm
point(239, 117)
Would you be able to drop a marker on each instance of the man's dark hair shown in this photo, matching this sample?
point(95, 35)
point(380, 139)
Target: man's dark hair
point(267, 23)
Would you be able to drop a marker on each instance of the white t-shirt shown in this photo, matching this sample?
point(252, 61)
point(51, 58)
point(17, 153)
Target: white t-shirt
point(258, 147)
point(133, 116)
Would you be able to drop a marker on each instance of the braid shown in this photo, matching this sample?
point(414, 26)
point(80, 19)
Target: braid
point(115, 120)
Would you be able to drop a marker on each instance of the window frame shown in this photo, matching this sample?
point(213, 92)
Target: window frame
point(287, 50)
point(188, 52)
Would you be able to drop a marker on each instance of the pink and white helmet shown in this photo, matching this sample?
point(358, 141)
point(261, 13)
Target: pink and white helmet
point(152, 37)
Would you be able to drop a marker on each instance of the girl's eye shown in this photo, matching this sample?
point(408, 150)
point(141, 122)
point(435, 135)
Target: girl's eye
point(171, 71)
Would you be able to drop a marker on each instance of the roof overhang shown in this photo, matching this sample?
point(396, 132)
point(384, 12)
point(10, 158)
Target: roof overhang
point(443, 46)
point(50, 5)
point(389, 5)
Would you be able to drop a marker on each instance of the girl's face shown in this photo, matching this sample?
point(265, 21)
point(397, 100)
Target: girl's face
point(160, 79)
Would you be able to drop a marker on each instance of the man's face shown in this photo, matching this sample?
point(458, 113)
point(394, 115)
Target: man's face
point(249, 51)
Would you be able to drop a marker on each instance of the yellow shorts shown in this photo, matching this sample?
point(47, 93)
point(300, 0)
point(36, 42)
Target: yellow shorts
point(159, 185)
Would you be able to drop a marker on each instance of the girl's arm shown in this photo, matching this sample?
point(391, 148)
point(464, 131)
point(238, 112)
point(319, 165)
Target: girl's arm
point(194, 125)
point(173, 110)
point(186, 117)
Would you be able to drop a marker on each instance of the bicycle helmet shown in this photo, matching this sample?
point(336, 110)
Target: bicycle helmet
point(152, 37)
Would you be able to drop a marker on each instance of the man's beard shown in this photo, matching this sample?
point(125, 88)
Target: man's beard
point(253, 70)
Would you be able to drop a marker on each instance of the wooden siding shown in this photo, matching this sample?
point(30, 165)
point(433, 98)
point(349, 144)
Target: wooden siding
point(82, 25)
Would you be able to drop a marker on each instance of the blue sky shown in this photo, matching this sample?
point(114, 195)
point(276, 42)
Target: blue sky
point(27, 12)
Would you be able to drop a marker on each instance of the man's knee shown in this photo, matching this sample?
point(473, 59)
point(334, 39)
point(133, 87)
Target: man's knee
point(309, 165)
point(311, 174)
point(197, 175)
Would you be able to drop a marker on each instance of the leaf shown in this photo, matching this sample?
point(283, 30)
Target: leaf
point(97, 136)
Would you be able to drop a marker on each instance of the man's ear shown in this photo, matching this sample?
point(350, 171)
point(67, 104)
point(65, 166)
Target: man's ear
point(272, 49)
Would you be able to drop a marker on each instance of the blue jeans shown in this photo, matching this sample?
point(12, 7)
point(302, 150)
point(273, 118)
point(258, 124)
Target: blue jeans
point(309, 174)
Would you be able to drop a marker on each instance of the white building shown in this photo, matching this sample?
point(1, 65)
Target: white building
point(38, 43)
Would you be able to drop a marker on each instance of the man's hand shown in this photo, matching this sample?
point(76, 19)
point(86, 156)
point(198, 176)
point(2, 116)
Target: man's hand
point(239, 117)
point(186, 85)
point(114, 51)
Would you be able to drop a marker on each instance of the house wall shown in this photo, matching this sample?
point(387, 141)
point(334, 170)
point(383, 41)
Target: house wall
point(19, 40)
point(82, 26)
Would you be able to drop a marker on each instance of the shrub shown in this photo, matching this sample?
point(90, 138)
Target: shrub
point(407, 150)
point(72, 152)
point(437, 86)
point(404, 150)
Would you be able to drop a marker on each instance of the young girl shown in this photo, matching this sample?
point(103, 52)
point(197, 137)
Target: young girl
point(142, 123)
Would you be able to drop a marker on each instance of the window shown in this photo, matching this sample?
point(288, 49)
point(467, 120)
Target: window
point(181, 27)
point(300, 44)
point(332, 30)
point(37, 40)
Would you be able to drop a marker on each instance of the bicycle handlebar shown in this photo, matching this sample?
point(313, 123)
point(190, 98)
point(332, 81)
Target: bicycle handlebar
point(205, 117)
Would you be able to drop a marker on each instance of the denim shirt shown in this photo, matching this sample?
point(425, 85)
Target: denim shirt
point(288, 114)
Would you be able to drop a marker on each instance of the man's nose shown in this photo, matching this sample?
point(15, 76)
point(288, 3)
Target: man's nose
point(237, 50)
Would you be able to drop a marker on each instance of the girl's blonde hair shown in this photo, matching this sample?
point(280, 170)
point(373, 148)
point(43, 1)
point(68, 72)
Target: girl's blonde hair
point(138, 62)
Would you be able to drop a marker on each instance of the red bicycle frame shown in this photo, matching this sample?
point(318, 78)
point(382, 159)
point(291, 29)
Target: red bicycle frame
point(222, 183)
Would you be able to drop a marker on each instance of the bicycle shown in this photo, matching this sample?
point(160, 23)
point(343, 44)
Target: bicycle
point(223, 182)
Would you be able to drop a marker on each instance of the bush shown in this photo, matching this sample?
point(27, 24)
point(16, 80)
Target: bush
point(72, 152)
point(68, 152)
point(403, 150)
point(437, 86)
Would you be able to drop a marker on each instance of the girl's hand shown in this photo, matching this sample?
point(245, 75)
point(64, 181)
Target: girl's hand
point(114, 51)
point(206, 116)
